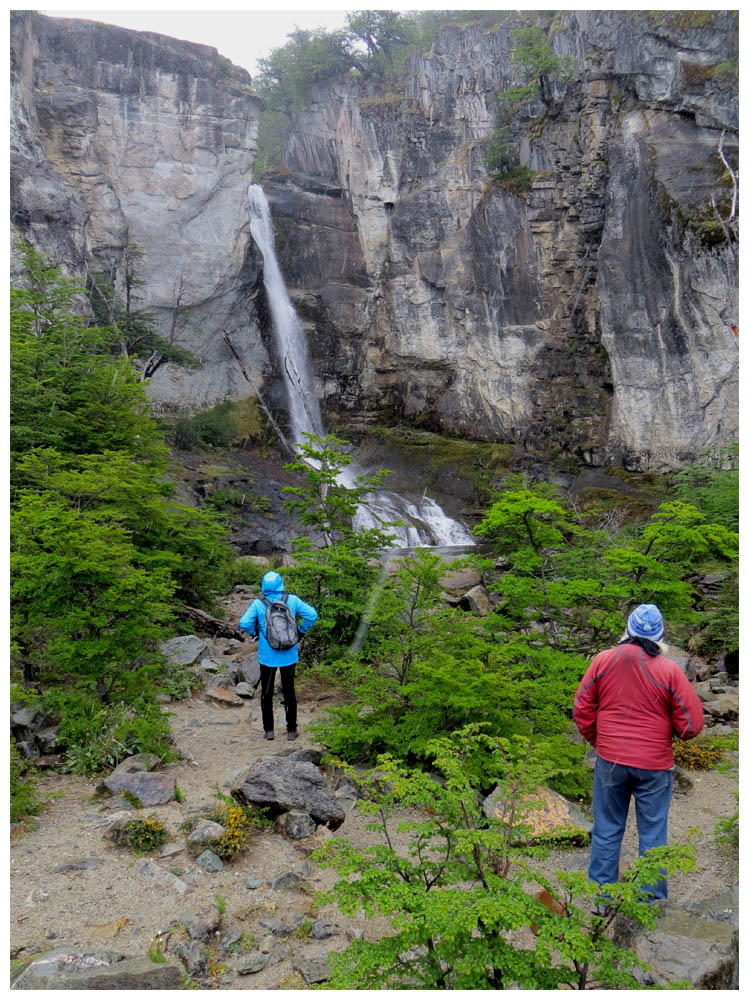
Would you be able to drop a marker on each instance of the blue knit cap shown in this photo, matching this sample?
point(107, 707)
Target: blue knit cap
point(646, 621)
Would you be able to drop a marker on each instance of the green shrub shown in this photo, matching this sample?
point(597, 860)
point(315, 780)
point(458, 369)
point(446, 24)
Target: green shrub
point(457, 895)
point(704, 753)
point(727, 828)
point(100, 736)
point(215, 427)
point(24, 799)
point(144, 835)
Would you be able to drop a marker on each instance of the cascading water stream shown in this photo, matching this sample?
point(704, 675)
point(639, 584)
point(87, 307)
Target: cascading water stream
point(291, 343)
point(426, 524)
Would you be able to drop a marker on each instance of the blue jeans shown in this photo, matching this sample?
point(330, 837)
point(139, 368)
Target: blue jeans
point(613, 784)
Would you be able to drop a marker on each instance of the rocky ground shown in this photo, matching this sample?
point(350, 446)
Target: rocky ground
point(71, 886)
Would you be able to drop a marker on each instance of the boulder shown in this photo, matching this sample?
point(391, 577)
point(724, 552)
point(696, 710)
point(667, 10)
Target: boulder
point(133, 776)
point(184, 650)
point(683, 945)
point(723, 707)
point(244, 690)
point(223, 696)
point(77, 969)
point(548, 812)
point(295, 825)
point(460, 581)
point(478, 601)
point(250, 668)
point(285, 785)
point(209, 862)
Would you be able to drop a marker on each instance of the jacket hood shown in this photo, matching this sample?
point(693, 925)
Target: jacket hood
point(272, 584)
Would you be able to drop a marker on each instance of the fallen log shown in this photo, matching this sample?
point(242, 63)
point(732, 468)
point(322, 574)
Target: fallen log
point(211, 624)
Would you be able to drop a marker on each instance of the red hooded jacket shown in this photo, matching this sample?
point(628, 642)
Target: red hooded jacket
point(629, 705)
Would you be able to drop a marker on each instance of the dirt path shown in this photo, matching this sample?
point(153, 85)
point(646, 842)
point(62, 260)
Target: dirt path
point(113, 905)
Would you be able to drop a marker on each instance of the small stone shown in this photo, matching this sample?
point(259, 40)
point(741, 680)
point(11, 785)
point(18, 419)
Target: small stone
point(322, 929)
point(314, 971)
point(254, 961)
point(288, 880)
point(253, 882)
point(202, 924)
point(209, 862)
point(244, 690)
point(205, 832)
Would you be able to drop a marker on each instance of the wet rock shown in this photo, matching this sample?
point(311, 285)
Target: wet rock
point(77, 969)
point(683, 946)
point(184, 650)
point(285, 785)
point(724, 906)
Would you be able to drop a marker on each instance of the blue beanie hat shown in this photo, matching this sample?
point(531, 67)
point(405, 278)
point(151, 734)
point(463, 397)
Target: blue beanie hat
point(646, 621)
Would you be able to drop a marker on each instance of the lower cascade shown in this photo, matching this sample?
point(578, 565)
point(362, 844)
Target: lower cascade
point(425, 522)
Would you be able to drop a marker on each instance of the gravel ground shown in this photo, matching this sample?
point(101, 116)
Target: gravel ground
point(112, 905)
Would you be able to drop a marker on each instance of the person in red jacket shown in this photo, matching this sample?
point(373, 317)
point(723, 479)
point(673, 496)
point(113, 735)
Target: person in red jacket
point(630, 703)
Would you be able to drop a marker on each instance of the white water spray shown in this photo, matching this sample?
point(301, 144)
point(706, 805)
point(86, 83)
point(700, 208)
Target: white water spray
point(426, 524)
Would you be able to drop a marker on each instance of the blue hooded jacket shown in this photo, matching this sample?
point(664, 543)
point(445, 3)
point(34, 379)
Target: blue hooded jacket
point(253, 621)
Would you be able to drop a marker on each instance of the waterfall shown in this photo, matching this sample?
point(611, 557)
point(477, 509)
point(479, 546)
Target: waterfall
point(426, 524)
point(291, 343)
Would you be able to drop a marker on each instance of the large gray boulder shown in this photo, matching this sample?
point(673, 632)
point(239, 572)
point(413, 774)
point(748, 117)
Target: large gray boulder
point(133, 776)
point(683, 945)
point(77, 969)
point(184, 650)
point(285, 785)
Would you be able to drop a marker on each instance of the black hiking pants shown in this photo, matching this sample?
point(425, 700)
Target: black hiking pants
point(267, 684)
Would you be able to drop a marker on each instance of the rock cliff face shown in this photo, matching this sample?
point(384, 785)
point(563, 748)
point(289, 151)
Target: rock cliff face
point(594, 313)
point(120, 137)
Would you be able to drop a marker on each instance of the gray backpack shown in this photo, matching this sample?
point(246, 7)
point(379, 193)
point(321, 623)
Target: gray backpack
point(281, 629)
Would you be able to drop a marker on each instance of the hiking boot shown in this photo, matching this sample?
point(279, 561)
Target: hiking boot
point(292, 734)
point(269, 734)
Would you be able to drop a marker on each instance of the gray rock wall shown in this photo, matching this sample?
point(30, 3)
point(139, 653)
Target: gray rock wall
point(123, 137)
point(595, 313)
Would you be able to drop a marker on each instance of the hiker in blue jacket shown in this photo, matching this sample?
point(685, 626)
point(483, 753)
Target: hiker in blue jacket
point(271, 660)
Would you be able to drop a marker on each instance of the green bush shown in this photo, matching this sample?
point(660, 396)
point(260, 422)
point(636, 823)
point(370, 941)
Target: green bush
point(24, 799)
point(455, 898)
point(727, 828)
point(144, 835)
point(98, 736)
